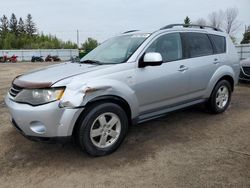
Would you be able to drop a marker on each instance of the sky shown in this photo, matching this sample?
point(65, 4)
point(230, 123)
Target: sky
point(102, 19)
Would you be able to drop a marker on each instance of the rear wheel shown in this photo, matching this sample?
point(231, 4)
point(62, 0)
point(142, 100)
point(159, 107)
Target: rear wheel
point(103, 129)
point(220, 97)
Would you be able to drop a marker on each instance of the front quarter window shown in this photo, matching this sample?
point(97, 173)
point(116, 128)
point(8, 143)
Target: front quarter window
point(116, 50)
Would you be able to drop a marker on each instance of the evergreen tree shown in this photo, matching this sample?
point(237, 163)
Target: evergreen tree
point(89, 45)
point(187, 21)
point(246, 36)
point(4, 25)
point(21, 27)
point(26, 36)
point(13, 24)
point(30, 26)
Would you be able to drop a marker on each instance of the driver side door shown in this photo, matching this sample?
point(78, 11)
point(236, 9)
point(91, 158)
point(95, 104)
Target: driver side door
point(162, 86)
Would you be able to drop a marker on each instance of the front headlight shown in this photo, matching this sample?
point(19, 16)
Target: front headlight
point(39, 96)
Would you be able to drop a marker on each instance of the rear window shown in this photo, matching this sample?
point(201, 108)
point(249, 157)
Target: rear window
point(219, 43)
point(196, 44)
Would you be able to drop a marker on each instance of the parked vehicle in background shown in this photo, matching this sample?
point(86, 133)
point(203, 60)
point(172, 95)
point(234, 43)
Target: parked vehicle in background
point(126, 80)
point(2, 59)
point(245, 70)
point(74, 59)
point(37, 59)
point(12, 59)
point(52, 58)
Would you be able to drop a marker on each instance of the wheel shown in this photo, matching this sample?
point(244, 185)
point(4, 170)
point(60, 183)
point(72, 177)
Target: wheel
point(220, 97)
point(102, 129)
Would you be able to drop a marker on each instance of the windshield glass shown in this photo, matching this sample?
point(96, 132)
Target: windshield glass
point(115, 50)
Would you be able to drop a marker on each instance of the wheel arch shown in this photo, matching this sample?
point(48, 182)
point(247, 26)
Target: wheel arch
point(113, 99)
point(229, 79)
point(101, 99)
point(223, 73)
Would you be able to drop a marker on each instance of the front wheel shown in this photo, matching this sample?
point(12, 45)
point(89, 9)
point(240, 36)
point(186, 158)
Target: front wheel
point(103, 129)
point(220, 97)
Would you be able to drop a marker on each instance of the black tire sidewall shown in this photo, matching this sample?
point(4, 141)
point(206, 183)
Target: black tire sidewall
point(85, 127)
point(213, 106)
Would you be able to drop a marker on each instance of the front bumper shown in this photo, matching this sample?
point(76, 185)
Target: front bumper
point(58, 139)
point(44, 121)
point(243, 76)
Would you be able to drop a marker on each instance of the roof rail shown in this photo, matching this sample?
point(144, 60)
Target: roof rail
point(130, 31)
point(190, 25)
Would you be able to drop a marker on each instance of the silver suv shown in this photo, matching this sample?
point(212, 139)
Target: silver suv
point(126, 80)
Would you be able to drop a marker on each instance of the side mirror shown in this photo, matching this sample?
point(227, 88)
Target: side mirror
point(150, 59)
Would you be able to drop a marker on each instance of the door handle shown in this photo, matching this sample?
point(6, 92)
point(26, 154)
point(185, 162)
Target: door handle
point(216, 61)
point(183, 68)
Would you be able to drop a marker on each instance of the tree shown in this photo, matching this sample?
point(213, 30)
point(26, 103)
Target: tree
point(13, 24)
point(231, 24)
point(201, 21)
point(187, 21)
point(89, 45)
point(9, 30)
point(215, 19)
point(30, 26)
point(21, 27)
point(246, 36)
point(4, 25)
point(234, 40)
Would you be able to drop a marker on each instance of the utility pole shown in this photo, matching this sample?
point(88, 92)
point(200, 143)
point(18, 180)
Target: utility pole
point(77, 37)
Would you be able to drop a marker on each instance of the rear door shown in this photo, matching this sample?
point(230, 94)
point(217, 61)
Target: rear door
point(202, 62)
point(219, 43)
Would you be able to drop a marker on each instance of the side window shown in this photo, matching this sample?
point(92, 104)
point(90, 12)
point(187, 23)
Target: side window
point(169, 46)
point(197, 44)
point(219, 43)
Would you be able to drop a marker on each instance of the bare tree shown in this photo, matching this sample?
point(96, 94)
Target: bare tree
point(201, 21)
point(231, 24)
point(215, 19)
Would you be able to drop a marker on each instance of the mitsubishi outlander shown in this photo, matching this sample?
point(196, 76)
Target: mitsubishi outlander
point(128, 79)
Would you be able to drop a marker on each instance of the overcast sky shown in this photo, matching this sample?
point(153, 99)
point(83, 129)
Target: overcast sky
point(105, 18)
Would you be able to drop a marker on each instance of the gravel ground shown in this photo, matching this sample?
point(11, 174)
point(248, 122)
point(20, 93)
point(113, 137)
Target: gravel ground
point(188, 148)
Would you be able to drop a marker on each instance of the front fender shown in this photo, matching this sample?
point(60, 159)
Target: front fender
point(218, 74)
point(79, 94)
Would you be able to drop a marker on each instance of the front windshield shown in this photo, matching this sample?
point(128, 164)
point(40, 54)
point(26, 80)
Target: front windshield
point(116, 50)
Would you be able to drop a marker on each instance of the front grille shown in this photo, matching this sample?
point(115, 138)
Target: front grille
point(246, 70)
point(14, 90)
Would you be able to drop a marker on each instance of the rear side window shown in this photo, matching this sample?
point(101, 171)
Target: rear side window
point(196, 44)
point(219, 43)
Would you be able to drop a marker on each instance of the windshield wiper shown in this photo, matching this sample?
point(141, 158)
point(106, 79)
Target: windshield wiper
point(88, 61)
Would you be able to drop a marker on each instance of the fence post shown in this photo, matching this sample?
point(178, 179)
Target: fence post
point(22, 54)
point(241, 52)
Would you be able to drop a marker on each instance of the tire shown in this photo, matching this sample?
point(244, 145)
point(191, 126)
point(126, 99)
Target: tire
point(220, 97)
point(97, 134)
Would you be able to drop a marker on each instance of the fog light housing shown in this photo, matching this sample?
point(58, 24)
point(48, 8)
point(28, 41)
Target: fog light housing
point(38, 127)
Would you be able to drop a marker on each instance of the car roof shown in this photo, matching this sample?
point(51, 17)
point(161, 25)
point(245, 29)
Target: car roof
point(180, 28)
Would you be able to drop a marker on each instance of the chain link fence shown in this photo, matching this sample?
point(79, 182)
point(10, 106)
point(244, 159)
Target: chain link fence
point(66, 54)
point(26, 55)
point(243, 50)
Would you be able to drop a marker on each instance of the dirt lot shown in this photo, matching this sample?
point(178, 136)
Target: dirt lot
point(189, 148)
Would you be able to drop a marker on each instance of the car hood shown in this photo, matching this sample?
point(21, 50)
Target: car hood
point(45, 77)
point(245, 62)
